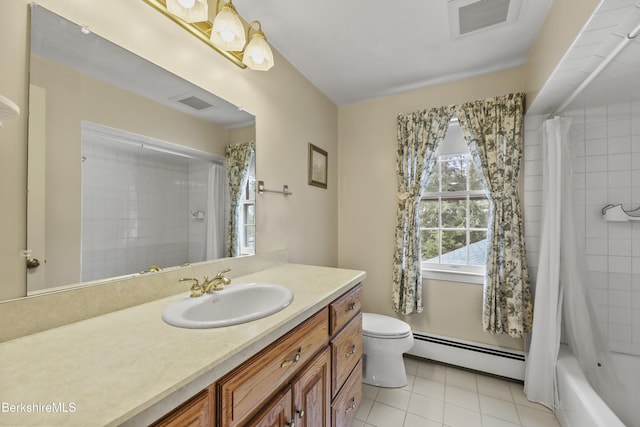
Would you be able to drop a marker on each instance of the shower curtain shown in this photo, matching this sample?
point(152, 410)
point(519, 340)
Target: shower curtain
point(217, 206)
point(563, 286)
point(540, 373)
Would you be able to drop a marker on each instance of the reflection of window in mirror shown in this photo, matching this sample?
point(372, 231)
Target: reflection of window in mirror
point(247, 213)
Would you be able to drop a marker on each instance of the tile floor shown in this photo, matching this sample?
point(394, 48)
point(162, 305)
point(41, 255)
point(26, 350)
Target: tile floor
point(445, 396)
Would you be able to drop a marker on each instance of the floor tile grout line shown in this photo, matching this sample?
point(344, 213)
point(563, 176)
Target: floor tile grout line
point(410, 392)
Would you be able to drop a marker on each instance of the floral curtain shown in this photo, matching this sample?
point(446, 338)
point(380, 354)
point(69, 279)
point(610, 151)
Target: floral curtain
point(493, 129)
point(419, 135)
point(238, 157)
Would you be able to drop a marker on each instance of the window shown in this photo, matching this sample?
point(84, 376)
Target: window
point(247, 214)
point(454, 214)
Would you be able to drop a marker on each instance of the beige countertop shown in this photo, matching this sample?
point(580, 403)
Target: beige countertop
point(131, 367)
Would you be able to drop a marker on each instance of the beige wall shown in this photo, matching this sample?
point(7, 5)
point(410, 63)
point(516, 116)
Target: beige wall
point(73, 97)
point(368, 204)
point(367, 178)
point(13, 149)
point(242, 134)
point(290, 113)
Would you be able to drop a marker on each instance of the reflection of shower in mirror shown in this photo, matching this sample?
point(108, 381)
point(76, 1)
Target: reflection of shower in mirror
point(138, 196)
point(198, 214)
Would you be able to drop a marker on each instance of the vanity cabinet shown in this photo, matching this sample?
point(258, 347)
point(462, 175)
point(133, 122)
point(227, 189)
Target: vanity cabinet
point(342, 310)
point(346, 404)
point(346, 352)
point(303, 403)
point(346, 357)
point(196, 412)
point(311, 393)
point(242, 392)
point(276, 413)
point(310, 377)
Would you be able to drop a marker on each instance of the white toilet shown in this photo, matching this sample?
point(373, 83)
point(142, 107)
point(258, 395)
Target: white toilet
point(384, 341)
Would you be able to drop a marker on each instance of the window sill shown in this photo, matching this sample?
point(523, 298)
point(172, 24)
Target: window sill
point(453, 276)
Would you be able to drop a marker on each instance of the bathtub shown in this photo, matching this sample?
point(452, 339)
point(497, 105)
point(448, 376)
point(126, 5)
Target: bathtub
point(581, 406)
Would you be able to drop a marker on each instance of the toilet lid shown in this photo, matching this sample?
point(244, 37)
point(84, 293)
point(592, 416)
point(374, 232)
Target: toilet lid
point(377, 325)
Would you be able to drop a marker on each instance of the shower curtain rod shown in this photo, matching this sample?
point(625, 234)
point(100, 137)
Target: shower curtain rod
point(623, 43)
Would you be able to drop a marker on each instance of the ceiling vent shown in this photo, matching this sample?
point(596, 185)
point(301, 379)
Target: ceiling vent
point(469, 16)
point(195, 103)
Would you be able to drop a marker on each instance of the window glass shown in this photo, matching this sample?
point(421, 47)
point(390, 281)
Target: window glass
point(247, 213)
point(454, 170)
point(454, 210)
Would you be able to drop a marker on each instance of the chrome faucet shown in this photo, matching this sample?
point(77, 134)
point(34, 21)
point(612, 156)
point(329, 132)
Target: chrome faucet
point(217, 283)
point(196, 288)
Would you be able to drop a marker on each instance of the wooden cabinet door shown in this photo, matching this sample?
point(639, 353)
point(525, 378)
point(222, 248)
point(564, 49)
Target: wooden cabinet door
point(312, 393)
point(194, 413)
point(277, 413)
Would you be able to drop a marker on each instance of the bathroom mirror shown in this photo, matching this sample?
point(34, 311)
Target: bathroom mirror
point(126, 168)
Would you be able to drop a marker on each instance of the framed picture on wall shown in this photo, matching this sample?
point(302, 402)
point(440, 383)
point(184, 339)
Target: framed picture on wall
point(318, 163)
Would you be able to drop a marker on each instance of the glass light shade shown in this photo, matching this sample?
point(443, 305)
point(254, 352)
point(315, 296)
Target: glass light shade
point(189, 10)
point(258, 55)
point(228, 32)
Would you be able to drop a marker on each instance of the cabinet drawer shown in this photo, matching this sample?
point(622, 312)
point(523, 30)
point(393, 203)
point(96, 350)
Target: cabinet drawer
point(242, 390)
point(346, 405)
point(344, 308)
point(346, 350)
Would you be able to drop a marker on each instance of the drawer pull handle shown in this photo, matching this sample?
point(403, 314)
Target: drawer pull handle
point(292, 423)
point(352, 351)
point(352, 406)
point(300, 413)
point(351, 307)
point(295, 359)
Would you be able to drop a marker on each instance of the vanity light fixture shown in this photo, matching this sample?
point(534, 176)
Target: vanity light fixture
point(189, 10)
point(257, 54)
point(227, 31)
point(226, 34)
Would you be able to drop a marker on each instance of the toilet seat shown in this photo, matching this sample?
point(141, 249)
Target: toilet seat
point(384, 327)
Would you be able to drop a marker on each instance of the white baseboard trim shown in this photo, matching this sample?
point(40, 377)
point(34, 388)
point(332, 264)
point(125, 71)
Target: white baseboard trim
point(504, 362)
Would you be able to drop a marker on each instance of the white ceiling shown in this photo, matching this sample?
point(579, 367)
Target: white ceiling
point(361, 49)
point(346, 56)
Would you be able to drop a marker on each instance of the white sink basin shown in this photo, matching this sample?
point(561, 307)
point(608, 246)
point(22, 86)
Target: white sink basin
point(237, 303)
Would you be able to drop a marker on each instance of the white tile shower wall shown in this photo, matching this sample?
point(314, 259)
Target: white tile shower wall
point(135, 210)
point(605, 144)
point(532, 170)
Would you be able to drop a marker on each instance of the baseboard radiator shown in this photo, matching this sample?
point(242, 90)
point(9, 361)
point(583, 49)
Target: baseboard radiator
point(494, 360)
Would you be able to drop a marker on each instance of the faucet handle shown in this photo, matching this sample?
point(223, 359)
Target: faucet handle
point(196, 289)
point(222, 273)
point(221, 276)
